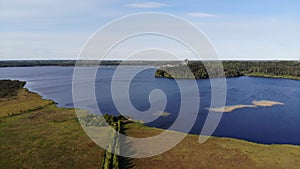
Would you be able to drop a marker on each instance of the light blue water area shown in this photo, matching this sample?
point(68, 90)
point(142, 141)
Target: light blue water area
point(275, 124)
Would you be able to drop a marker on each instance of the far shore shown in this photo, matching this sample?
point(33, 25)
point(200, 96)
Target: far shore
point(271, 76)
point(247, 75)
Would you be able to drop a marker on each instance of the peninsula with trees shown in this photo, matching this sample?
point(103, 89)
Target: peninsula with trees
point(273, 69)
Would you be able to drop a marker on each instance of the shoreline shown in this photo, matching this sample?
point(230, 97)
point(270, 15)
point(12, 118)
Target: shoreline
point(244, 140)
point(261, 75)
point(246, 75)
point(273, 77)
point(54, 138)
point(224, 137)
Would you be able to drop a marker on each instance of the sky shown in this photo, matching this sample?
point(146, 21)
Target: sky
point(238, 29)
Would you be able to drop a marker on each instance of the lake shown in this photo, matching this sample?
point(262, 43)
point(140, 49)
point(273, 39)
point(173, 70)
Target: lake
point(275, 124)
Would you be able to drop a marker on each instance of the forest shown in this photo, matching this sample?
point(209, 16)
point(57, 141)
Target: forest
point(283, 69)
point(10, 87)
point(28, 63)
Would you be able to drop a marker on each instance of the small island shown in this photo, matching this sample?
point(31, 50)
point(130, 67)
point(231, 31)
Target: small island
point(255, 103)
point(163, 114)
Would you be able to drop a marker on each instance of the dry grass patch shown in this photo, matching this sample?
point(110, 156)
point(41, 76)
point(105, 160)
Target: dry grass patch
point(217, 153)
point(24, 101)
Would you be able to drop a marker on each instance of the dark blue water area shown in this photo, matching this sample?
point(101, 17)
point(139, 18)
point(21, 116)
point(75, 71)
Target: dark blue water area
point(275, 124)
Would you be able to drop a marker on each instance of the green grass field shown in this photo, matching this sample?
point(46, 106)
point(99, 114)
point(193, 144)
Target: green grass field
point(43, 135)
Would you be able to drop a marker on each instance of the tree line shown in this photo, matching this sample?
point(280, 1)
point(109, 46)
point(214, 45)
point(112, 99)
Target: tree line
point(199, 70)
point(9, 88)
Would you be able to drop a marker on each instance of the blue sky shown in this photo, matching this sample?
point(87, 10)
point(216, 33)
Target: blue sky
point(246, 30)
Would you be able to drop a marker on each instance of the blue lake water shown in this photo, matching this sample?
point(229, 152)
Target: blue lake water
point(276, 124)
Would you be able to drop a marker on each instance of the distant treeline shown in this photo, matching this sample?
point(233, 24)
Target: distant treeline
point(27, 63)
point(9, 88)
point(284, 69)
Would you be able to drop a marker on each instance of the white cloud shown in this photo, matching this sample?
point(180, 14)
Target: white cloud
point(147, 5)
point(199, 14)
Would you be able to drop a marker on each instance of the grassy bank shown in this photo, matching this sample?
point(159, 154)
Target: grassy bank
point(35, 133)
point(45, 136)
point(216, 153)
point(257, 74)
